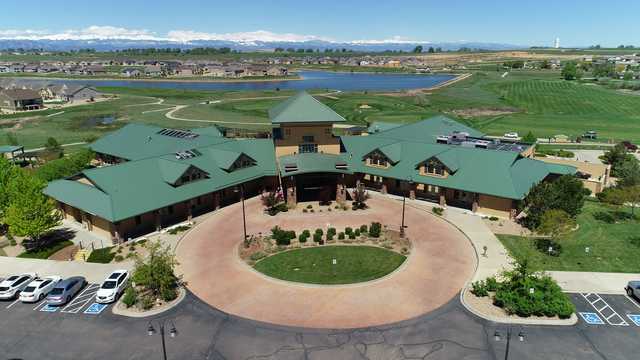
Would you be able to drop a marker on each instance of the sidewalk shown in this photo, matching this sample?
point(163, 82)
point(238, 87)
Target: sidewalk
point(498, 259)
point(92, 272)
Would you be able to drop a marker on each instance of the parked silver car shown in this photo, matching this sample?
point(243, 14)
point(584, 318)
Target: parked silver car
point(65, 290)
point(633, 289)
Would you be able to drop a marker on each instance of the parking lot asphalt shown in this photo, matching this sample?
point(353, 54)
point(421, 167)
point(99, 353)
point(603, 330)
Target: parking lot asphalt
point(450, 332)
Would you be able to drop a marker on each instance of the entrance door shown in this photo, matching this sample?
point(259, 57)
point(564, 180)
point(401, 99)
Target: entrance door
point(316, 187)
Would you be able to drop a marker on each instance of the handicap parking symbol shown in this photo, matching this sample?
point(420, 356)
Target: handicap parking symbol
point(95, 309)
point(591, 318)
point(49, 308)
point(634, 318)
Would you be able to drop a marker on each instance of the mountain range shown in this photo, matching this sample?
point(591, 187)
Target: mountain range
point(240, 45)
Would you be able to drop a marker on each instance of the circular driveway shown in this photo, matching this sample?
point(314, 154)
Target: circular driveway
point(441, 262)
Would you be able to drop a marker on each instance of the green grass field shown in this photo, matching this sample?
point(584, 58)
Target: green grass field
point(611, 248)
point(314, 265)
point(537, 101)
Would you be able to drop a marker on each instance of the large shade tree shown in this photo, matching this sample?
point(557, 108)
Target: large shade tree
point(565, 193)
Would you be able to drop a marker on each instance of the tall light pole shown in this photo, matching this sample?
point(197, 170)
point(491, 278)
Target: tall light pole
point(497, 337)
point(404, 197)
point(240, 189)
point(161, 324)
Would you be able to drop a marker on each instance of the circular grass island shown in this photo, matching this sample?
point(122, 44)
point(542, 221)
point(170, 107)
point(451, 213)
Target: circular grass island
point(353, 264)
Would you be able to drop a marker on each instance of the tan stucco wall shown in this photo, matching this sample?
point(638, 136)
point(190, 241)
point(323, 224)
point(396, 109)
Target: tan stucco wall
point(492, 205)
point(599, 172)
point(101, 227)
point(292, 137)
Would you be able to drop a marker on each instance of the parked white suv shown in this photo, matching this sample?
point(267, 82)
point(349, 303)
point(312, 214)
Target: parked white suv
point(39, 288)
point(112, 287)
point(11, 286)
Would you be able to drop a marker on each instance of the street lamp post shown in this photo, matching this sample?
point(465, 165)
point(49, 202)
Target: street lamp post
point(161, 324)
point(497, 337)
point(240, 188)
point(404, 197)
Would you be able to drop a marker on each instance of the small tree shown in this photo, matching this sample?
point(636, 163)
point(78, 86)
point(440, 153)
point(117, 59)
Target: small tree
point(271, 200)
point(360, 197)
point(632, 196)
point(8, 173)
point(52, 145)
point(556, 224)
point(628, 172)
point(529, 138)
point(30, 213)
point(155, 273)
point(570, 71)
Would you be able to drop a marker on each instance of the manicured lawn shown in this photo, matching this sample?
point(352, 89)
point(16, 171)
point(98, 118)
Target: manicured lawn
point(44, 253)
point(610, 246)
point(314, 265)
point(102, 256)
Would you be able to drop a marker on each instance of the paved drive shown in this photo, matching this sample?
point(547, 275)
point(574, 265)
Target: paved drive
point(442, 261)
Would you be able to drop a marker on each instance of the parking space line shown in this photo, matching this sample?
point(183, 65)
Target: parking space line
point(593, 298)
point(632, 301)
point(13, 303)
point(40, 304)
point(81, 299)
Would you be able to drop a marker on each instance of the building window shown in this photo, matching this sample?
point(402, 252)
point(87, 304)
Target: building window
point(307, 148)
point(434, 168)
point(138, 220)
point(378, 160)
point(308, 138)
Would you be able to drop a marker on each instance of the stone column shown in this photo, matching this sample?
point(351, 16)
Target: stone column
point(292, 199)
point(474, 205)
point(383, 190)
point(189, 210)
point(216, 200)
point(412, 191)
point(341, 194)
point(158, 219)
point(443, 199)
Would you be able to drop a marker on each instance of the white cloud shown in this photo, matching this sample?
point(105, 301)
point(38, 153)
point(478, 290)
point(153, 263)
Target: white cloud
point(242, 37)
point(89, 33)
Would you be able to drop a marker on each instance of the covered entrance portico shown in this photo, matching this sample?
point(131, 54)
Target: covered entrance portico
point(316, 187)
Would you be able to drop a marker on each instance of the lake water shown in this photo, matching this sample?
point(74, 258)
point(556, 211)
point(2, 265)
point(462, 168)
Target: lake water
point(310, 80)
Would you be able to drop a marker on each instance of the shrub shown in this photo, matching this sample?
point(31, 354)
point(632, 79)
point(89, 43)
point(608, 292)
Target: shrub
point(352, 236)
point(130, 297)
point(102, 256)
point(118, 258)
point(492, 284)
point(543, 246)
point(330, 237)
point(257, 255)
point(340, 235)
point(306, 233)
point(146, 302)
point(363, 228)
point(317, 237)
point(319, 232)
point(348, 230)
point(302, 238)
point(438, 211)
point(305, 211)
point(375, 229)
point(309, 206)
point(331, 231)
point(168, 294)
point(356, 232)
point(494, 218)
point(282, 237)
point(479, 288)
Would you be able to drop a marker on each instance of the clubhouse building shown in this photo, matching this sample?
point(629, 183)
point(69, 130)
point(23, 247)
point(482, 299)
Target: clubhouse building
point(150, 177)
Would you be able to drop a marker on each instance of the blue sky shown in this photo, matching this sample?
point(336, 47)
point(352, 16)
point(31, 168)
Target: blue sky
point(576, 23)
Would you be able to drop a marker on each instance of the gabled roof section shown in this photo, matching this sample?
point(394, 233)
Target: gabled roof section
point(303, 108)
point(426, 130)
point(226, 158)
point(313, 163)
point(171, 171)
point(449, 158)
point(393, 152)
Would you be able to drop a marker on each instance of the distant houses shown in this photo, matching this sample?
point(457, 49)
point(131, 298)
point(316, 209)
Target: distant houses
point(20, 100)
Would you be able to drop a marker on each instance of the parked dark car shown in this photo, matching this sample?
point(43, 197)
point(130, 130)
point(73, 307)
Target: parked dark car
point(66, 290)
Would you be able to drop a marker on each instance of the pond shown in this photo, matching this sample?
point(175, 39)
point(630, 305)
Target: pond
point(344, 81)
point(99, 120)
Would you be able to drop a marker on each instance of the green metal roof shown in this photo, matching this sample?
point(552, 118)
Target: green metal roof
point(139, 141)
point(136, 187)
point(493, 172)
point(9, 148)
point(312, 163)
point(303, 108)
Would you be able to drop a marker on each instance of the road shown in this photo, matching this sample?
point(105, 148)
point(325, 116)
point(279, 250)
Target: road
point(205, 333)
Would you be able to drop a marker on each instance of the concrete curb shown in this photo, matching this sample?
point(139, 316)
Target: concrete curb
point(120, 309)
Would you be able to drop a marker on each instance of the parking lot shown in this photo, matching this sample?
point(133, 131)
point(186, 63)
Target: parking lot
point(605, 311)
point(81, 304)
